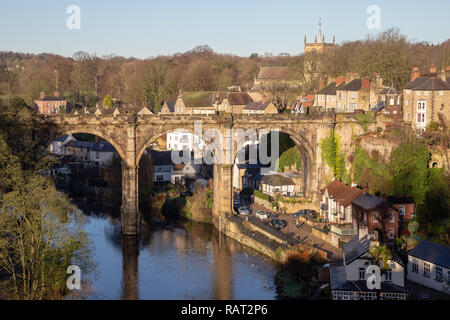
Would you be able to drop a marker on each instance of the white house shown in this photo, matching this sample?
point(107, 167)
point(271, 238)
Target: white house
point(57, 146)
point(101, 153)
point(277, 183)
point(429, 265)
point(349, 281)
point(182, 140)
point(182, 171)
point(161, 166)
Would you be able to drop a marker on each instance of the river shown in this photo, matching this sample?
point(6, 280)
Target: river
point(191, 261)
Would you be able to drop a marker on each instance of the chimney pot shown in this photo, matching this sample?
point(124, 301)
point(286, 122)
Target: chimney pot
point(433, 69)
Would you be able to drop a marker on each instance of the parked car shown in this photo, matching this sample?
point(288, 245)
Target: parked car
point(244, 211)
point(262, 215)
point(279, 224)
point(297, 214)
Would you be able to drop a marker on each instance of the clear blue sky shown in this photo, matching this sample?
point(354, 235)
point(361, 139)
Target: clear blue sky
point(159, 27)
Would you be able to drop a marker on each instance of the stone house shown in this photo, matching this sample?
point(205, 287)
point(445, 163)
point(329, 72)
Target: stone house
point(79, 150)
point(57, 147)
point(50, 104)
point(260, 108)
point(391, 100)
point(232, 102)
point(349, 280)
point(326, 97)
point(375, 218)
point(358, 94)
point(268, 77)
point(425, 98)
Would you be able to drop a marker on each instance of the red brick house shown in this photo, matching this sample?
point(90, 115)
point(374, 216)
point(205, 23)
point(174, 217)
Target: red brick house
point(406, 208)
point(50, 104)
point(375, 218)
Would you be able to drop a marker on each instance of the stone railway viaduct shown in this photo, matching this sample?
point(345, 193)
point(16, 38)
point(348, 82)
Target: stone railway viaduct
point(132, 134)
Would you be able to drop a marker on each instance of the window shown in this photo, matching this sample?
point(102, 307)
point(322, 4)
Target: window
point(392, 217)
point(408, 116)
point(388, 275)
point(401, 211)
point(441, 93)
point(159, 178)
point(418, 93)
point(415, 265)
point(362, 274)
point(391, 233)
point(426, 269)
point(426, 93)
point(438, 274)
point(375, 217)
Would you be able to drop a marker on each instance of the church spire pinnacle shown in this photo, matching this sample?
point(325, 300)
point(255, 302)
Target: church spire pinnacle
point(319, 34)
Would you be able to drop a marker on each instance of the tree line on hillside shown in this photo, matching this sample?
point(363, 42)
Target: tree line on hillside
point(86, 78)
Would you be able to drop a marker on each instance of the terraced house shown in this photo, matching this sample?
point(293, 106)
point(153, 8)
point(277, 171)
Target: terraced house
point(358, 94)
point(427, 98)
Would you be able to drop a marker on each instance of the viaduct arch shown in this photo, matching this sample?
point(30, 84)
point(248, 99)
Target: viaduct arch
point(132, 134)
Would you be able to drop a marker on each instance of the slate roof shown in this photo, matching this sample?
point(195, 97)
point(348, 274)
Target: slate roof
point(161, 158)
point(257, 106)
point(367, 201)
point(339, 282)
point(389, 91)
point(103, 146)
point(170, 105)
point(432, 252)
point(277, 180)
point(428, 84)
point(63, 138)
point(354, 85)
point(234, 98)
point(277, 73)
point(355, 248)
point(51, 98)
point(400, 200)
point(329, 89)
point(80, 144)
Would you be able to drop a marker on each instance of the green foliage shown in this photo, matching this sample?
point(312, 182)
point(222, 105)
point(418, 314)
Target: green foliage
point(413, 227)
point(108, 102)
point(290, 157)
point(381, 254)
point(261, 195)
point(363, 120)
point(409, 170)
point(39, 237)
point(330, 147)
point(370, 173)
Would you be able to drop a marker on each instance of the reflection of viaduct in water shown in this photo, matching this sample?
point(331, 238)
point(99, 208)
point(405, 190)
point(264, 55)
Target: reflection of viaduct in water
point(131, 135)
point(223, 270)
point(130, 268)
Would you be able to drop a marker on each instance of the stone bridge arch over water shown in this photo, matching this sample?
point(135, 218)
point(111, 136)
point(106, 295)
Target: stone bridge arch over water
point(132, 134)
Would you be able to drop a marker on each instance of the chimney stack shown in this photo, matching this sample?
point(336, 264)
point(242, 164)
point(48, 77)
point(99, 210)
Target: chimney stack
point(42, 95)
point(340, 80)
point(321, 84)
point(433, 69)
point(415, 74)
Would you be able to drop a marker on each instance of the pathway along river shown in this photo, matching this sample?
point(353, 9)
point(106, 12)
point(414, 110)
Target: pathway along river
point(190, 261)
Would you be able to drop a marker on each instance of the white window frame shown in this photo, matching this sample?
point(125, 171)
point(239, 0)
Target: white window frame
point(415, 265)
point(426, 270)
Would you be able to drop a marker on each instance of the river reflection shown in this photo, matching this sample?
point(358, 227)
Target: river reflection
point(191, 261)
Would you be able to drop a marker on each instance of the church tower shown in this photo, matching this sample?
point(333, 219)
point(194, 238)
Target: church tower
point(319, 45)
